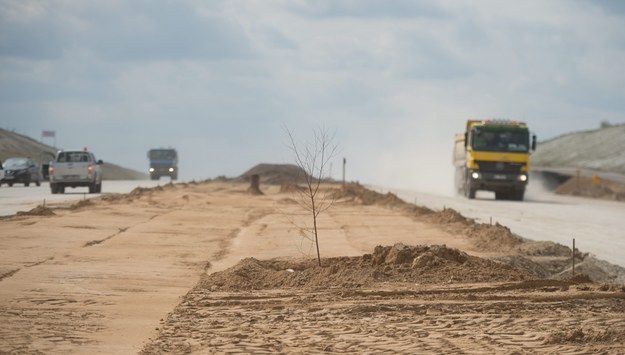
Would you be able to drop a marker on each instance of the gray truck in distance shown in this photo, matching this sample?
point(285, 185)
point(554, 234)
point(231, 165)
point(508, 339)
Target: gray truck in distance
point(74, 168)
point(163, 162)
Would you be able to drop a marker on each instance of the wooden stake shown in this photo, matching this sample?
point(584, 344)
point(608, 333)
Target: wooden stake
point(573, 256)
point(344, 163)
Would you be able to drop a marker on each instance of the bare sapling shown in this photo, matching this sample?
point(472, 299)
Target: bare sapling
point(313, 159)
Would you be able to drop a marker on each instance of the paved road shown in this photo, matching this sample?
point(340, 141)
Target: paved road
point(598, 226)
point(21, 198)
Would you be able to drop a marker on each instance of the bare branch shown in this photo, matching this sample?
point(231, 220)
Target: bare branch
point(312, 159)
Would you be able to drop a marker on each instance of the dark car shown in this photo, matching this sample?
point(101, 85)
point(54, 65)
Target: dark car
point(21, 171)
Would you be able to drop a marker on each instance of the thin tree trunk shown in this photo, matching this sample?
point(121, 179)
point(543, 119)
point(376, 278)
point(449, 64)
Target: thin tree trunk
point(314, 213)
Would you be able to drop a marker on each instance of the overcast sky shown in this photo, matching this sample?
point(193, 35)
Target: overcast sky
point(220, 80)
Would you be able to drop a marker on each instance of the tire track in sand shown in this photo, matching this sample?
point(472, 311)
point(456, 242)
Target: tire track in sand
point(315, 321)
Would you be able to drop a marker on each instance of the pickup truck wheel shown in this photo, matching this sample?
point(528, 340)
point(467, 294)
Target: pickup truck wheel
point(92, 188)
point(61, 189)
point(98, 188)
point(53, 188)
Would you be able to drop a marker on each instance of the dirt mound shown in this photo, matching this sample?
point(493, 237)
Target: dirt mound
point(398, 263)
point(137, 192)
point(495, 237)
point(81, 204)
point(37, 211)
point(448, 216)
point(275, 174)
point(543, 259)
point(357, 193)
point(586, 186)
point(533, 248)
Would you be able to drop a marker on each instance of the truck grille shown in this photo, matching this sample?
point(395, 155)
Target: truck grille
point(500, 167)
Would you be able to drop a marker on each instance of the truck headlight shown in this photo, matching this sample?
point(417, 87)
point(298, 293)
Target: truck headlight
point(151, 170)
point(475, 175)
point(523, 177)
point(171, 170)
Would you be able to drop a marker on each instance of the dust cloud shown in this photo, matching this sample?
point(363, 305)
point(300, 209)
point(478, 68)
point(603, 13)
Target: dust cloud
point(536, 188)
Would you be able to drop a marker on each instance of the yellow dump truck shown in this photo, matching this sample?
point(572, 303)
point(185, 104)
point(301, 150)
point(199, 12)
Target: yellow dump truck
point(493, 155)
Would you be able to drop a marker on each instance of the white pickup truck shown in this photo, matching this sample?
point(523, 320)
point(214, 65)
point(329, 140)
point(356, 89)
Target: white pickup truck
point(73, 168)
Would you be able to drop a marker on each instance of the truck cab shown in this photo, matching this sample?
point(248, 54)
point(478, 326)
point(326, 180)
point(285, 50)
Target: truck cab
point(493, 155)
point(163, 162)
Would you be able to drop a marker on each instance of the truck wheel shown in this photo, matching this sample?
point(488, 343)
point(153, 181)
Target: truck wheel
point(98, 188)
point(92, 188)
point(469, 192)
point(53, 188)
point(519, 195)
point(61, 189)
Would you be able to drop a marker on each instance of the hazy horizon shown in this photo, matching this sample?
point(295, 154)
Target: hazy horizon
point(221, 81)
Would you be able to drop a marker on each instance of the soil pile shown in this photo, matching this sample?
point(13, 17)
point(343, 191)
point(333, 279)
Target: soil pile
point(275, 174)
point(449, 216)
point(399, 263)
point(495, 237)
point(81, 204)
point(37, 211)
point(596, 188)
point(542, 259)
point(357, 193)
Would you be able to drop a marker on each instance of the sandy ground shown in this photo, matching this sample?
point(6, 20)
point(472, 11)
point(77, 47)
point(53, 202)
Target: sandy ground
point(210, 268)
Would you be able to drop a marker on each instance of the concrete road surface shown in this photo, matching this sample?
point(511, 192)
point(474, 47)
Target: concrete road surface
point(21, 198)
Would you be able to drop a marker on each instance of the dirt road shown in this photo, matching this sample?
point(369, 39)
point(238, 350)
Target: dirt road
point(145, 272)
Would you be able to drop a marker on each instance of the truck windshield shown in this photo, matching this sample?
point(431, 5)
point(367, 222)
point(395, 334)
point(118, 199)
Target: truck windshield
point(162, 154)
point(73, 157)
point(500, 139)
